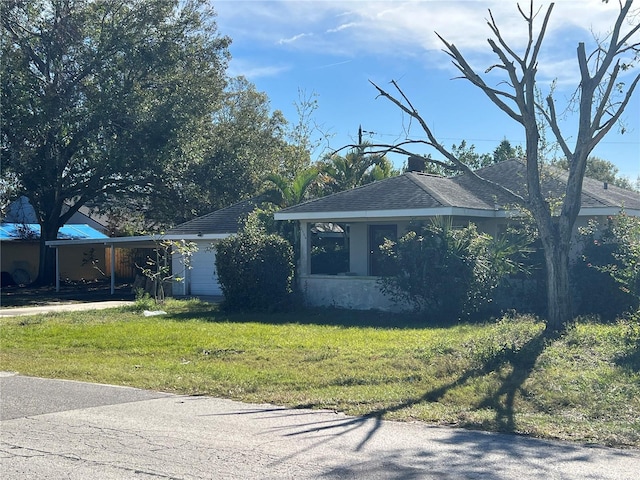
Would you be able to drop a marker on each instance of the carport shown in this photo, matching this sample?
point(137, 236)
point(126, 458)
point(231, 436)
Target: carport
point(204, 231)
point(148, 241)
point(110, 243)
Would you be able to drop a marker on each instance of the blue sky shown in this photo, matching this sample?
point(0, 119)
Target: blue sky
point(331, 50)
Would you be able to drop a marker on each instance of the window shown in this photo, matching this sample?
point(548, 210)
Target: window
point(377, 235)
point(329, 248)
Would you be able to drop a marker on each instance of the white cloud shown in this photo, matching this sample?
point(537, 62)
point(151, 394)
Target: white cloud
point(406, 28)
point(344, 26)
point(295, 38)
point(253, 71)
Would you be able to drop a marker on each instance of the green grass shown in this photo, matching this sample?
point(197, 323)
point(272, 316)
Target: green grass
point(500, 376)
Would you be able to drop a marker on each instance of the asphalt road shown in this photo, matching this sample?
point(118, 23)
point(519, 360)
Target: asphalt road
point(56, 429)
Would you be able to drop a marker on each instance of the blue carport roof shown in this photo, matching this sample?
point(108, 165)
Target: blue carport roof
point(31, 231)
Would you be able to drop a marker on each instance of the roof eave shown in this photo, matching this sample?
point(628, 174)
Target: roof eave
point(140, 240)
point(365, 215)
point(368, 215)
point(606, 211)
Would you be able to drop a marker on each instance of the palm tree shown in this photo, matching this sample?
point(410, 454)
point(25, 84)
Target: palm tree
point(355, 168)
point(285, 192)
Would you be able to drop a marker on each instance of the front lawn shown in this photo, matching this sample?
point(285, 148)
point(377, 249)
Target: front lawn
point(501, 376)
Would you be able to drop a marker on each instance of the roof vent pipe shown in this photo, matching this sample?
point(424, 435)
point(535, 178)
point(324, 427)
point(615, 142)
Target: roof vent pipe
point(605, 185)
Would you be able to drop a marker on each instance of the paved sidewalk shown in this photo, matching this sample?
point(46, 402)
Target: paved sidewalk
point(53, 429)
point(62, 307)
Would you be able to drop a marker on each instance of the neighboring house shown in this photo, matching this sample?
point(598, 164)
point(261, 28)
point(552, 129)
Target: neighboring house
point(20, 252)
point(20, 244)
point(367, 215)
point(205, 231)
point(21, 211)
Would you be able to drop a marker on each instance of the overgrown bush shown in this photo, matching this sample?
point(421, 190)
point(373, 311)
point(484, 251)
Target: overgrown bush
point(447, 272)
point(524, 291)
point(607, 275)
point(255, 271)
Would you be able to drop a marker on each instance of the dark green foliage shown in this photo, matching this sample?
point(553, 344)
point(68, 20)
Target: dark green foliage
point(525, 290)
point(244, 142)
point(354, 169)
point(600, 169)
point(255, 271)
point(607, 275)
point(505, 151)
point(435, 272)
point(449, 272)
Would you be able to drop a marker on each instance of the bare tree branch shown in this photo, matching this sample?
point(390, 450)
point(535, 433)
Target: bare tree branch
point(496, 31)
point(455, 163)
point(604, 129)
point(543, 31)
point(552, 120)
point(469, 74)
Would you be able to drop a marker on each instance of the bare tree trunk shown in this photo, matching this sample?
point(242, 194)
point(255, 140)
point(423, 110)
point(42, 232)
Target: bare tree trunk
point(559, 307)
point(47, 266)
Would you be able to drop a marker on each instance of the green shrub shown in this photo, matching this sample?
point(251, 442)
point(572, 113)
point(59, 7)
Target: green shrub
point(607, 275)
point(255, 271)
point(446, 272)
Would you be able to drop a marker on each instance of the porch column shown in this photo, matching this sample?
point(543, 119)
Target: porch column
point(113, 269)
point(57, 269)
point(303, 267)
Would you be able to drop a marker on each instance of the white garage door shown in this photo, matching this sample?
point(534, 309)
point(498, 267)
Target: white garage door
point(204, 277)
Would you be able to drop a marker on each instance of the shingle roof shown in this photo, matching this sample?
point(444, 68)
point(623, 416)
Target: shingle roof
point(223, 221)
point(399, 192)
point(419, 191)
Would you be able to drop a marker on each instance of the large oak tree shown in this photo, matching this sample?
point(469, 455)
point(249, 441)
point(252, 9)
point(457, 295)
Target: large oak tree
point(219, 162)
point(99, 95)
point(600, 99)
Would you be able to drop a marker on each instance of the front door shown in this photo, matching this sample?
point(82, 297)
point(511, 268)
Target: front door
point(377, 235)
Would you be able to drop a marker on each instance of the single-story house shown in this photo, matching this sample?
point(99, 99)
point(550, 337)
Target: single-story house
point(20, 243)
point(205, 231)
point(368, 214)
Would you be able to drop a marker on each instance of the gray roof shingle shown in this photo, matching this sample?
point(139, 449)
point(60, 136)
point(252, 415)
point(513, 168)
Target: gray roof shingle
point(224, 221)
point(418, 191)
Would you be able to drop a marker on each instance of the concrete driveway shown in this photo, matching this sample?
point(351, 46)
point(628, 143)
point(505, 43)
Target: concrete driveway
point(62, 307)
point(51, 429)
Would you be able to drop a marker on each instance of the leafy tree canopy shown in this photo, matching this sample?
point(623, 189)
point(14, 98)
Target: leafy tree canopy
point(600, 169)
point(97, 96)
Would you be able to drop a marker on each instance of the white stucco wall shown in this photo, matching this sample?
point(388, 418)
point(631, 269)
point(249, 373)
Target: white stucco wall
point(358, 293)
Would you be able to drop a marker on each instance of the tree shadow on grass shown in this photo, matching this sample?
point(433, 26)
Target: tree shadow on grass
point(467, 453)
point(322, 317)
point(521, 361)
point(631, 359)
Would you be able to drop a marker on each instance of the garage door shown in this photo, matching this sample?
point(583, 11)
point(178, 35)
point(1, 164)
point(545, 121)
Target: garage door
point(203, 274)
